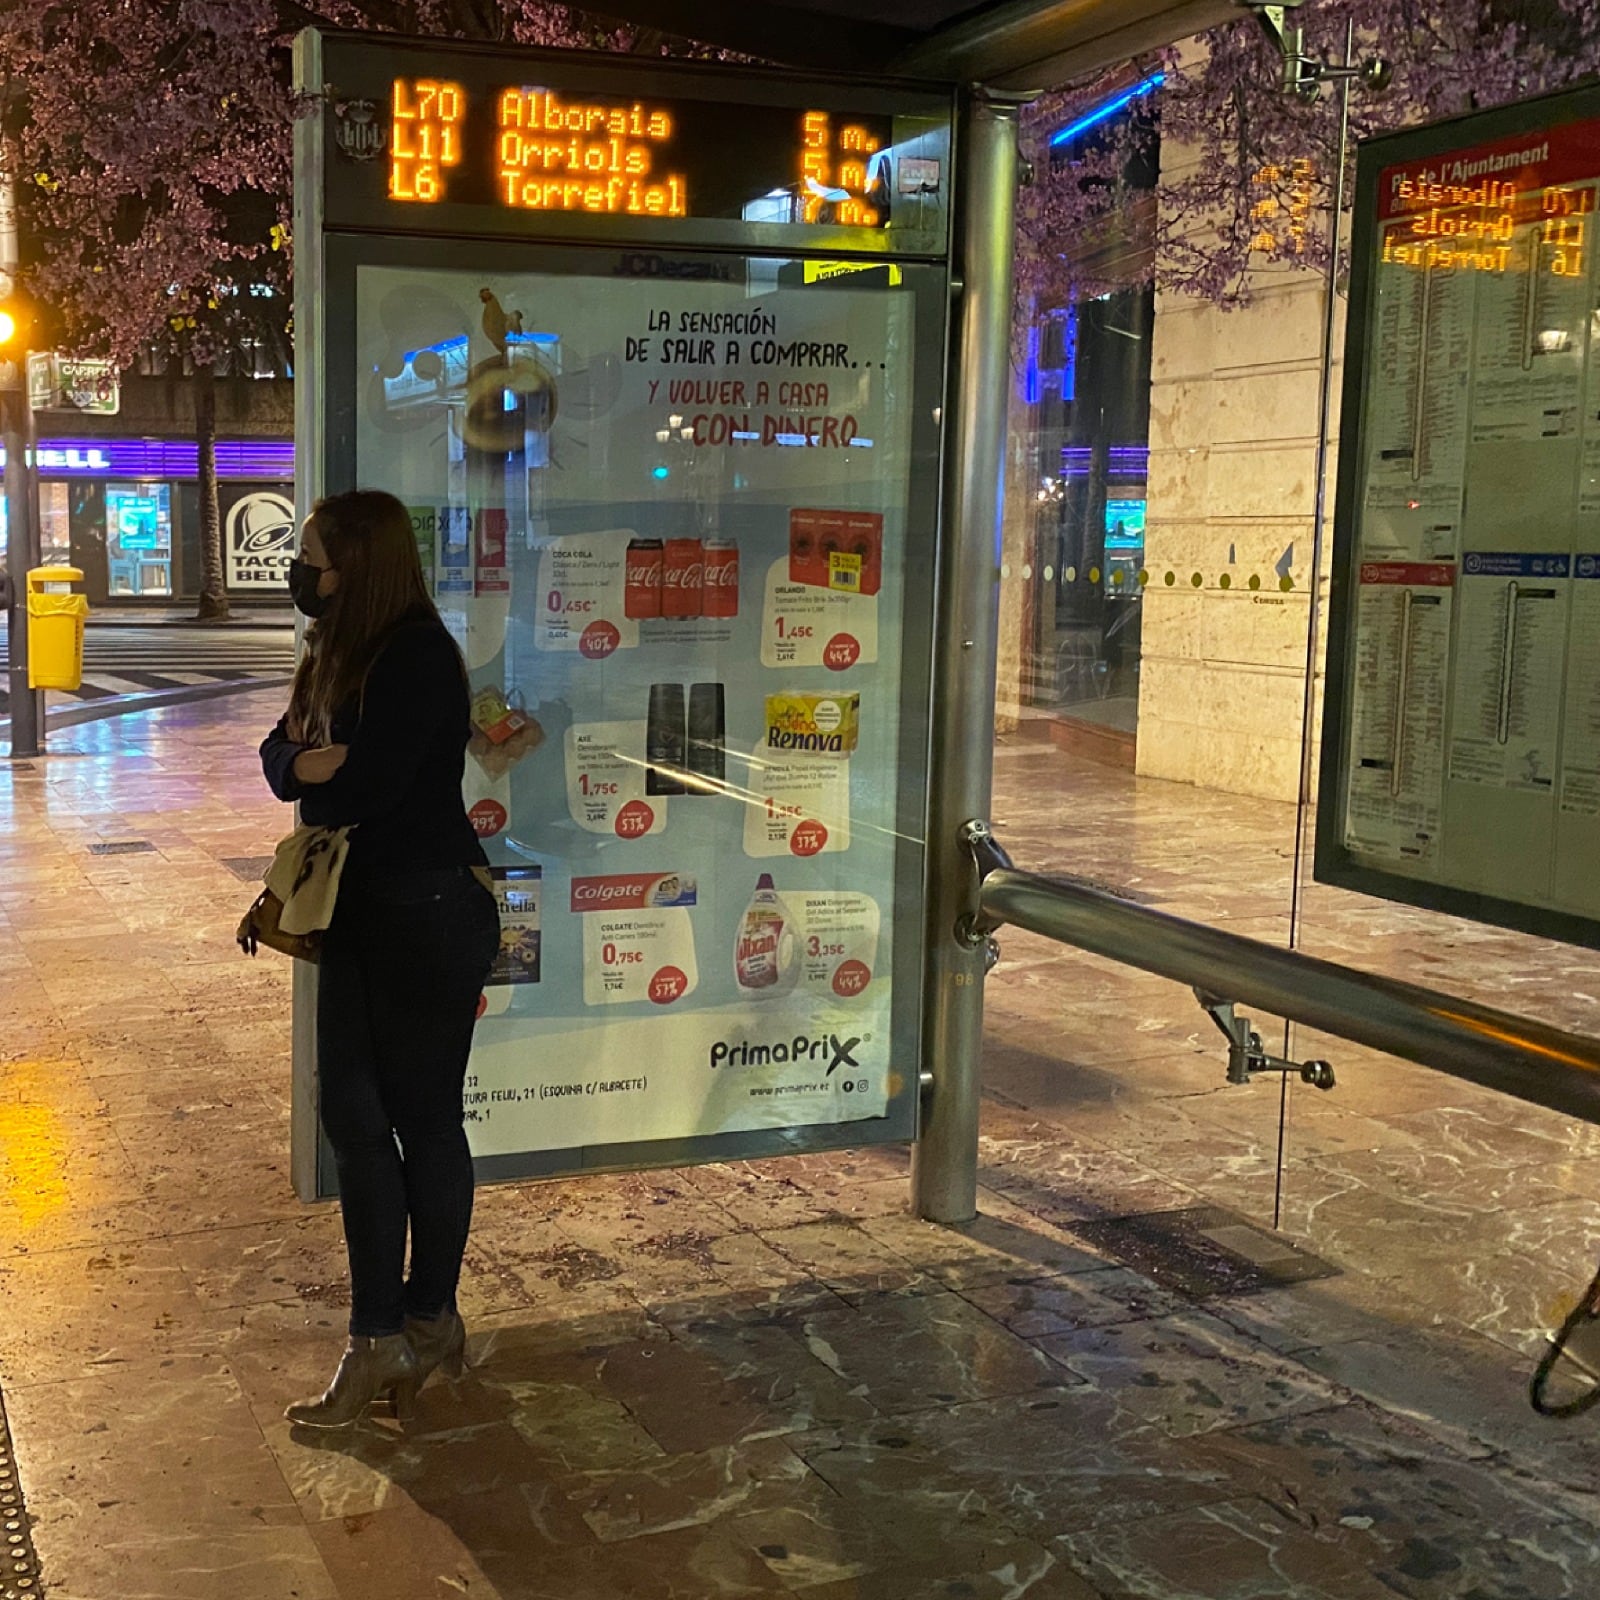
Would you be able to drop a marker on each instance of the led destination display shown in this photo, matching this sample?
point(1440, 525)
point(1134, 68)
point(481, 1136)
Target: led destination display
point(537, 149)
point(498, 143)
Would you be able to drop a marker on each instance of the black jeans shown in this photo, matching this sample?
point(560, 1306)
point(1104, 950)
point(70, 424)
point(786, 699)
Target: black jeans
point(402, 967)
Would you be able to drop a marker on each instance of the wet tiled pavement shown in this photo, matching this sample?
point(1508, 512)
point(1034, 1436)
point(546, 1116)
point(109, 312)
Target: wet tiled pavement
point(768, 1378)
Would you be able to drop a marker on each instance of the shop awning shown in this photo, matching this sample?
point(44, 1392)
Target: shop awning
point(1021, 45)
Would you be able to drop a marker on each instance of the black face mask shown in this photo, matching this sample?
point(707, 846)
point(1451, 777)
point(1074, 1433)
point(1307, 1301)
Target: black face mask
point(303, 581)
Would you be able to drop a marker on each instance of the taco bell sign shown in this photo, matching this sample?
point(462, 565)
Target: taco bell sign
point(258, 536)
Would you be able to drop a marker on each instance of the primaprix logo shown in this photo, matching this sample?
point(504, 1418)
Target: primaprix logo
point(824, 1047)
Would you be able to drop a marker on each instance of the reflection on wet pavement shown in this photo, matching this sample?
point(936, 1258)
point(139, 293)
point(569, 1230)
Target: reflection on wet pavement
point(767, 1378)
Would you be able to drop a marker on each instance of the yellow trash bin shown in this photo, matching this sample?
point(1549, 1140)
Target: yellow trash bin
point(55, 628)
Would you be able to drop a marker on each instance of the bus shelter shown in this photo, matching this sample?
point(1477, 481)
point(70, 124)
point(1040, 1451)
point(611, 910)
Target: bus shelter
point(693, 378)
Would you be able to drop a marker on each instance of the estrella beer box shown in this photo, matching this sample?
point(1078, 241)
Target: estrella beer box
point(813, 724)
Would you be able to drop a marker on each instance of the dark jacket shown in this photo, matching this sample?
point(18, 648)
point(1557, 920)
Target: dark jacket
point(401, 782)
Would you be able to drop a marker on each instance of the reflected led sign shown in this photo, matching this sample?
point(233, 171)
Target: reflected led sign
point(1517, 205)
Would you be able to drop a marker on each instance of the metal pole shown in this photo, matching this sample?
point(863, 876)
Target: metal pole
point(1319, 523)
point(1305, 817)
point(20, 556)
point(22, 526)
point(1509, 1054)
point(308, 1169)
point(944, 1169)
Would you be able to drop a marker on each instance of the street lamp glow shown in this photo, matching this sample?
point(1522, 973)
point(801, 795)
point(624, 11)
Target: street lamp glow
point(8, 327)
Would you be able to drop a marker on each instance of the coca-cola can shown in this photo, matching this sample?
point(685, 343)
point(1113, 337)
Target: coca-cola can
point(721, 597)
point(682, 578)
point(641, 595)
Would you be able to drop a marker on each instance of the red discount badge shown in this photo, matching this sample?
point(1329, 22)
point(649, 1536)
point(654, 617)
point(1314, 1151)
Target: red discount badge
point(852, 978)
point(598, 640)
point(808, 838)
point(669, 984)
point(842, 650)
point(635, 820)
point(488, 817)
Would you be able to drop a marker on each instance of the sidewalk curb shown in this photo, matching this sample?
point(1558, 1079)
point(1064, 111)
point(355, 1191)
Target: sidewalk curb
point(267, 617)
point(123, 705)
point(238, 620)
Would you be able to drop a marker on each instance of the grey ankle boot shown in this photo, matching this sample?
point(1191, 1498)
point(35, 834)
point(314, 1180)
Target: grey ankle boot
point(369, 1368)
point(438, 1342)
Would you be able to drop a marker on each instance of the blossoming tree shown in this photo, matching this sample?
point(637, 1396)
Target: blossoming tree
point(149, 143)
point(1247, 167)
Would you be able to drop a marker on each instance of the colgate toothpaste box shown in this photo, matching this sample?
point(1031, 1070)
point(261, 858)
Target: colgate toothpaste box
point(633, 891)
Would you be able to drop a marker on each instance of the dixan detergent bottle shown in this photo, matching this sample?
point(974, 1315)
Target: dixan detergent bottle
point(764, 953)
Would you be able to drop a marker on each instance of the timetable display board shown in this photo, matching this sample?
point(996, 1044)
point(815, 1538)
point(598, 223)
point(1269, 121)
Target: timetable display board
point(1462, 726)
point(485, 141)
point(655, 356)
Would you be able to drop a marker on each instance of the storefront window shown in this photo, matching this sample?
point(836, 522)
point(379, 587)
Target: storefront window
point(139, 538)
point(55, 538)
point(1092, 520)
point(55, 543)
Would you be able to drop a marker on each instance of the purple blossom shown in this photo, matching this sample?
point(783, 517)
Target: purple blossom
point(1248, 169)
point(152, 143)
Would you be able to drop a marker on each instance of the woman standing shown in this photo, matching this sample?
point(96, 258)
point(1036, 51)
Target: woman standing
point(375, 736)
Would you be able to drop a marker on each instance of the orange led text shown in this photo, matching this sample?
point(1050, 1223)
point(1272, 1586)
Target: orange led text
point(575, 155)
point(836, 170)
point(1491, 228)
point(424, 137)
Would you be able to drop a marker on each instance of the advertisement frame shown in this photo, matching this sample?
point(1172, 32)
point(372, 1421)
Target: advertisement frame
point(1335, 864)
point(327, 423)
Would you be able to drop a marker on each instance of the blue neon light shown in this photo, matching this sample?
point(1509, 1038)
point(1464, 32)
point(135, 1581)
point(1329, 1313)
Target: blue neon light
point(1069, 355)
point(1108, 108)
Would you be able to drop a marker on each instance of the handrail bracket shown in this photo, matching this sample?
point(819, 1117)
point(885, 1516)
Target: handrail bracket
point(1247, 1052)
point(975, 927)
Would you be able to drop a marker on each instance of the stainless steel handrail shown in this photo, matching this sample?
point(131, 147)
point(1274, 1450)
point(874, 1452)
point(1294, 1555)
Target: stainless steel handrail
point(1507, 1053)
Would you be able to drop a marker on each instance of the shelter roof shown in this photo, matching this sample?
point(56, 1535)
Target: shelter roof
point(1020, 45)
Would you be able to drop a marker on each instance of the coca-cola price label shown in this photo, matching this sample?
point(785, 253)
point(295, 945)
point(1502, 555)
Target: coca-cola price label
point(803, 626)
point(799, 805)
point(605, 780)
point(838, 939)
point(581, 595)
point(634, 956)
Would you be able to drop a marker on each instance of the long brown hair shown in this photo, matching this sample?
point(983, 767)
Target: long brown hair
point(367, 535)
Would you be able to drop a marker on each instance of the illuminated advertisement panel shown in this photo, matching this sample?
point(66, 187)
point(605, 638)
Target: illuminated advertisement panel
point(679, 509)
point(1462, 724)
